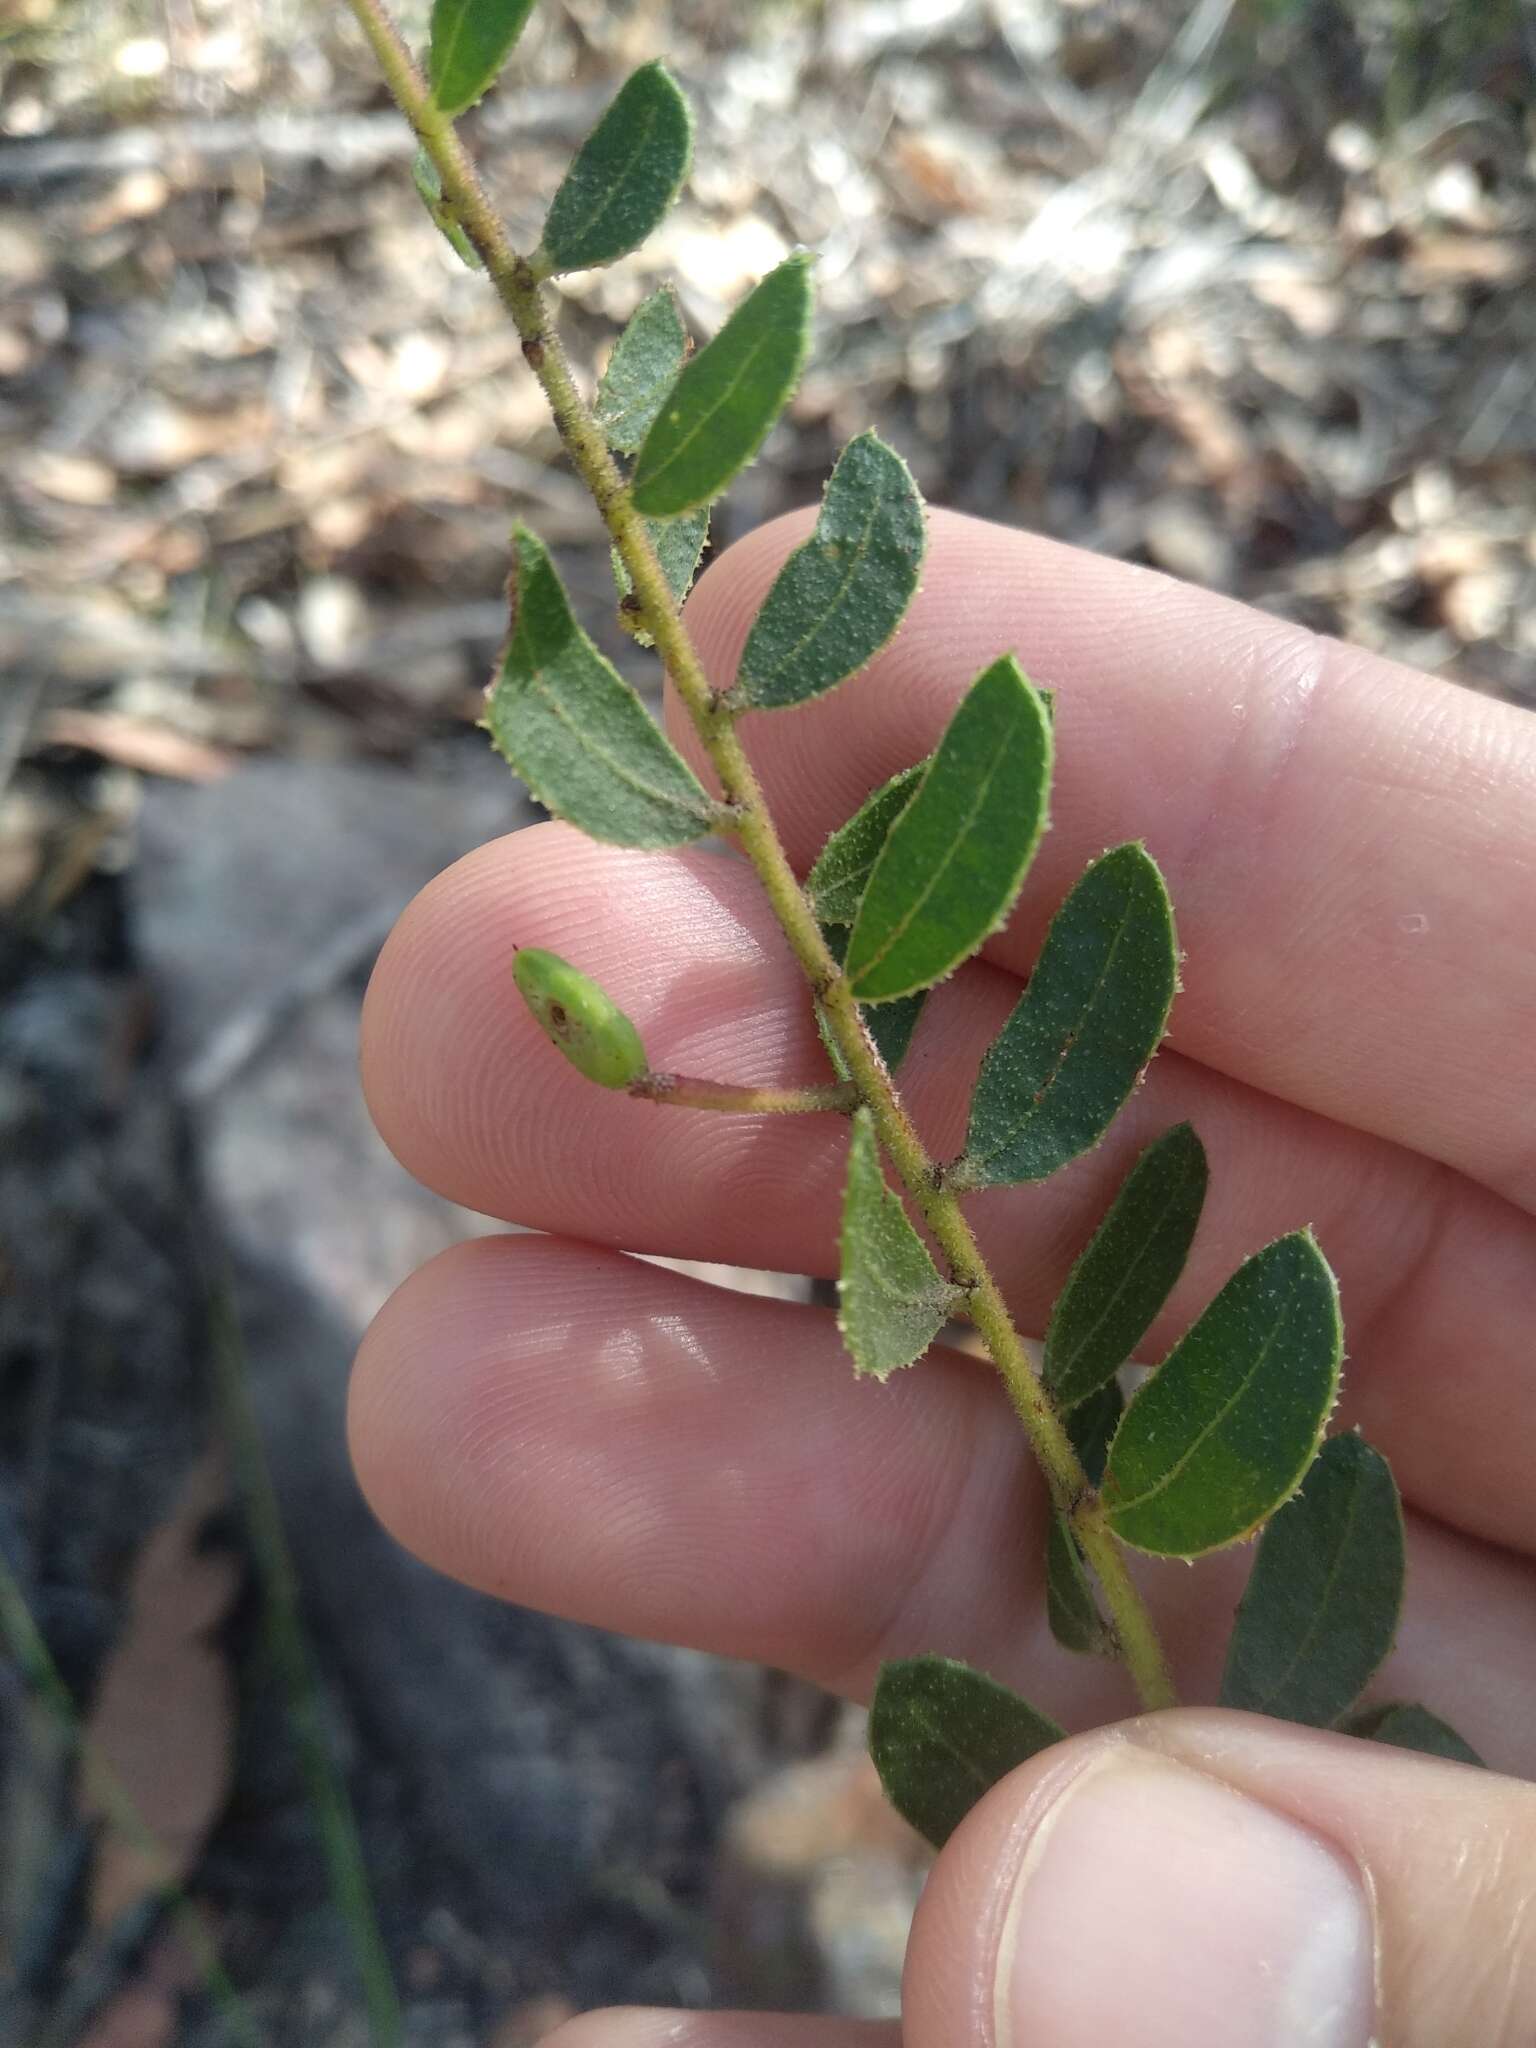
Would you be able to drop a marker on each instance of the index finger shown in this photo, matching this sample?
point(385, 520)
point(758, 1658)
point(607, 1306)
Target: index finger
point(1350, 845)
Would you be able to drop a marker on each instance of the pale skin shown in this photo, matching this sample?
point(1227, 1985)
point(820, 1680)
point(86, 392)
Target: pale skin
point(1351, 848)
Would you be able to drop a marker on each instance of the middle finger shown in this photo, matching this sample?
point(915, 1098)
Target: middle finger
point(1438, 1275)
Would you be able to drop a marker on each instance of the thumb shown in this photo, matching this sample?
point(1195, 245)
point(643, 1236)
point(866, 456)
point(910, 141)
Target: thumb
point(1213, 1880)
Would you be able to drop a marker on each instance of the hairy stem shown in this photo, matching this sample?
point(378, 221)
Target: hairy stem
point(517, 283)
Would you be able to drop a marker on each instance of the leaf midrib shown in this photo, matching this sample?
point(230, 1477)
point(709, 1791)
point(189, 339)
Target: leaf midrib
point(899, 931)
point(1142, 1252)
point(755, 349)
point(1069, 1040)
point(542, 682)
point(829, 611)
point(1126, 1502)
point(609, 199)
point(1330, 1582)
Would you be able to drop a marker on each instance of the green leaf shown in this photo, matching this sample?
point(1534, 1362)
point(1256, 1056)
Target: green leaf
point(1071, 1605)
point(1325, 1593)
point(728, 396)
point(678, 543)
point(574, 730)
point(1074, 1048)
point(470, 41)
point(429, 189)
point(1224, 1429)
point(625, 176)
point(1406, 1726)
point(836, 883)
point(641, 371)
point(942, 1734)
point(580, 1018)
point(1091, 1427)
point(954, 859)
point(890, 1025)
point(840, 596)
point(892, 1299)
point(1117, 1286)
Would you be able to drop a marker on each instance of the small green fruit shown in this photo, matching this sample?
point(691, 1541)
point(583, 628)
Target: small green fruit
point(574, 1014)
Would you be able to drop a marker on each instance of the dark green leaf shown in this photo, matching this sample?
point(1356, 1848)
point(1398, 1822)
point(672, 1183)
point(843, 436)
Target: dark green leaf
point(579, 1017)
point(1406, 1726)
point(890, 1025)
point(1224, 1429)
point(892, 1299)
point(573, 729)
point(1096, 1005)
point(429, 188)
point(641, 371)
point(1129, 1268)
point(1071, 1606)
point(1324, 1596)
point(471, 40)
point(836, 884)
point(1091, 1425)
point(942, 1734)
point(953, 861)
point(626, 174)
point(841, 595)
point(728, 396)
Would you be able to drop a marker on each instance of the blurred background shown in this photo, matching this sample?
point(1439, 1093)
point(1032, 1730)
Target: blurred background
point(1244, 289)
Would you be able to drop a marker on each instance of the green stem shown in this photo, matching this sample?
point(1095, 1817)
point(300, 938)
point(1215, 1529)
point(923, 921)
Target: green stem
point(336, 1822)
point(517, 285)
point(23, 1640)
point(684, 1091)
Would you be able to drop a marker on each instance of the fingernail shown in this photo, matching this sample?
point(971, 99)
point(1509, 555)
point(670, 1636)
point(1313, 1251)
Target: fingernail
point(1158, 1906)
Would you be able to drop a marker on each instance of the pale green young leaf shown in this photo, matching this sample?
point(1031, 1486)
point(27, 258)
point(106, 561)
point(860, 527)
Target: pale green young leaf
point(625, 175)
point(580, 1018)
point(942, 1734)
point(641, 371)
point(679, 545)
point(1406, 1726)
point(892, 1301)
point(1325, 1592)
point(1225, 1428)
point(954, 859)
point(1086, 1025)
point(470, 41)
point(429, 189)
point(836, 883)
point(718, 413)
point(572, 728)
point(1128, 1270)
point(890, 1025)
point(842, 594)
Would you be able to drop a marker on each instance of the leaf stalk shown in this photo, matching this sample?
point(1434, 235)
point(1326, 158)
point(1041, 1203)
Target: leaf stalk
point(685, 1091)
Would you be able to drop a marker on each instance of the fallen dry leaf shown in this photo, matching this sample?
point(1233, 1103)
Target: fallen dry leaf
point(161, 1730)
point(135, 743)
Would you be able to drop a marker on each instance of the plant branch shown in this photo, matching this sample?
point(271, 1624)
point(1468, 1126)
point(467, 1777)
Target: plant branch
point(517, 284)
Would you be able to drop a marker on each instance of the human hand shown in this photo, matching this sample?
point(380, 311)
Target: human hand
point(1351, 849)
